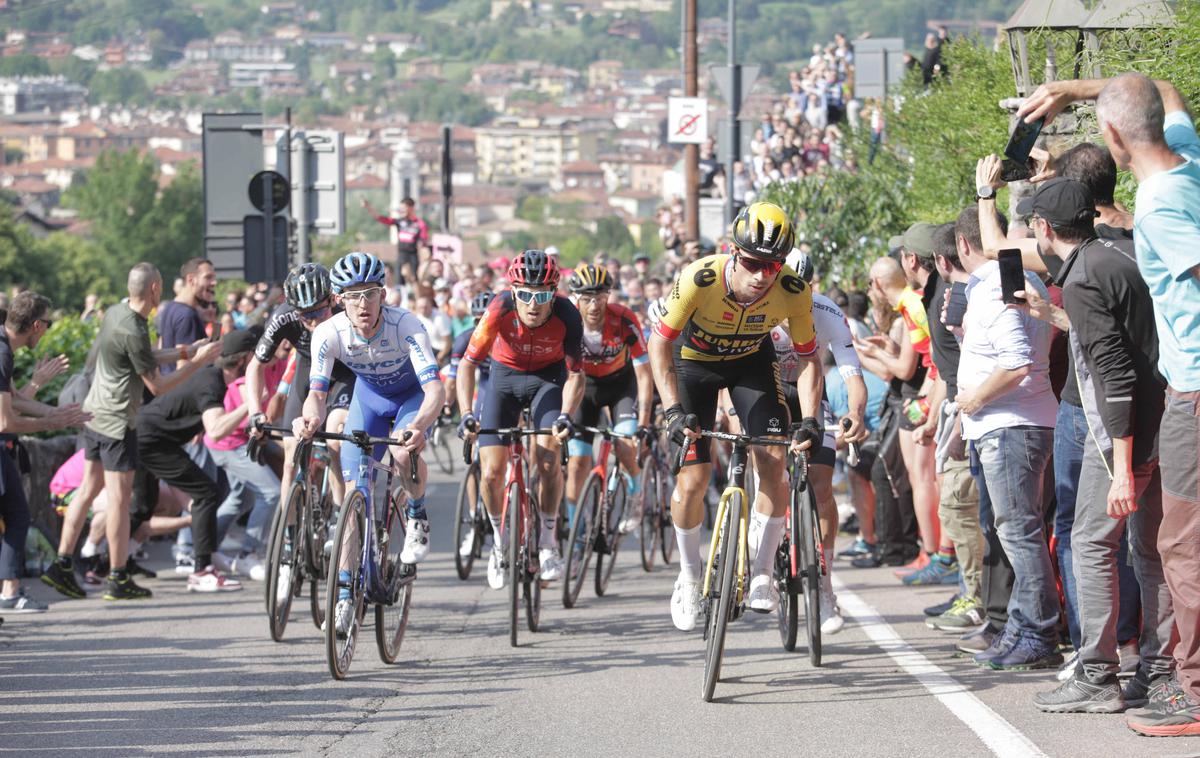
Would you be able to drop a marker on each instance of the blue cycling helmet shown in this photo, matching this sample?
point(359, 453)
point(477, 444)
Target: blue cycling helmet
point(479, 304)
point(356, 268)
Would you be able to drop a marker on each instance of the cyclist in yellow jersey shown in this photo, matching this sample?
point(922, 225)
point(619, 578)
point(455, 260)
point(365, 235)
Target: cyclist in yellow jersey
point(714, 335)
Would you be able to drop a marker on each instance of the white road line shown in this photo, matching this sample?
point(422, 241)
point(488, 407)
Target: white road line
point(1001, 737)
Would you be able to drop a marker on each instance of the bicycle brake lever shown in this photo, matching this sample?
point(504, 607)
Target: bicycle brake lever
point(412, 461)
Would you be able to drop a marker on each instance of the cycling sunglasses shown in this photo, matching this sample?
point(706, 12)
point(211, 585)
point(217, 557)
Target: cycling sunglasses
point(758, 265)
point(315, 313)
point(540, 297)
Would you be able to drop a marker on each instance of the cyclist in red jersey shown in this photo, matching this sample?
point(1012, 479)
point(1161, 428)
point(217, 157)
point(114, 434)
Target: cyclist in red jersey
point(534, 339)
point(617, 367)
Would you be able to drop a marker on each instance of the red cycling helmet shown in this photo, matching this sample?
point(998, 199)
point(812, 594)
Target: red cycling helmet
point(533, 268)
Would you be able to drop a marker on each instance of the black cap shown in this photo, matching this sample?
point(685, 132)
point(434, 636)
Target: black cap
point(238, 341)
point(1061, 202)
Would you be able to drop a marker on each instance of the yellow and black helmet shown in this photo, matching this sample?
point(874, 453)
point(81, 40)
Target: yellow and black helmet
point(588, 278)
point(764, 230)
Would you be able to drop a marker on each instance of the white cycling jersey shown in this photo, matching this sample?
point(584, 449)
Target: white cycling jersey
point(397, 360)
point(833, 334)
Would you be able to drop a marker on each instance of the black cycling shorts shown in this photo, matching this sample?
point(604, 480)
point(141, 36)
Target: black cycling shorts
point(340, 393)
point(753, 384)
point(510, 391)
point(617, 392)
point(826, 455)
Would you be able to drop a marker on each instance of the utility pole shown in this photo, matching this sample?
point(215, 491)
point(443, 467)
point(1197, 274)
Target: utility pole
point(734, 135)
point(691, 153)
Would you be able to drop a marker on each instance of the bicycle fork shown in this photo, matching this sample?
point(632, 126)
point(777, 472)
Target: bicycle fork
point(720, 536)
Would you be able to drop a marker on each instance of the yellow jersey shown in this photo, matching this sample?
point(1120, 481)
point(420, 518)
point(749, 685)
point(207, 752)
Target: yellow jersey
point(708, 324)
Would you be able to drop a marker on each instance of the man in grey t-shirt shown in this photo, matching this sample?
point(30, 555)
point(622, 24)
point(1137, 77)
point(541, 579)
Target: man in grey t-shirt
point(124, 363)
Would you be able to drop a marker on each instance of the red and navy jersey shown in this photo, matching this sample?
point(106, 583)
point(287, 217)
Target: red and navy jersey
point(501, 336)
point(617, 345)
point(410, 232)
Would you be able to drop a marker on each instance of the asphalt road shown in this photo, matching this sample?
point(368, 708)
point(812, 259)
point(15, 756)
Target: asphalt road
point(198, 675)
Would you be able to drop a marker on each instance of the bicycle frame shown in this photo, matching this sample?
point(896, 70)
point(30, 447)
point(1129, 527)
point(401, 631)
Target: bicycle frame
point(736, 478)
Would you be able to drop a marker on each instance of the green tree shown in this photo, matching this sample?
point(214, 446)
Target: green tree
point(125, 86)
point(385, 63)
point(24, 64)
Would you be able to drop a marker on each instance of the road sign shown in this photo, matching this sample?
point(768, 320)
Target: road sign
point(878, 66)
point(280, 191)
point(263, 265)
point(233, 153)
point(723, 78)
point(447, 247)
point(687, 120)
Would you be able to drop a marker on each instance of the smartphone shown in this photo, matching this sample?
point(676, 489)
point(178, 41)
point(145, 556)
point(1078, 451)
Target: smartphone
point(1012, 275)
point(1022, 140)
point(956, 308)
point(1012, 171)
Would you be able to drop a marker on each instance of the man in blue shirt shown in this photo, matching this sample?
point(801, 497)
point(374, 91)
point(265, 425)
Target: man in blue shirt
point(1148, 131)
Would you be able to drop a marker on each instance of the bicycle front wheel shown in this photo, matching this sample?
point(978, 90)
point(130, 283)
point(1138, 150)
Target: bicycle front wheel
point(466, 525)
point(721, 591)
point(514, 561)
point(283, 564)
point(345, 560)
point(442, 454)
point(532, 583)
point(811, 564)
point(581, 540)
point(666, 527)
point(617, 499)
point(648, 531)
point(318, 527)
point(788, 612)
point(392, 619)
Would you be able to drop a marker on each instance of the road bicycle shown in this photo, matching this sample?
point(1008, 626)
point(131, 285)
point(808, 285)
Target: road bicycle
point(440, 436)
point(471, 521)
point(726, 573)
point(370, 557)
point(522, 521)
point(300, 530)
point(657, 532)
point(800, 564)
point(596, 523)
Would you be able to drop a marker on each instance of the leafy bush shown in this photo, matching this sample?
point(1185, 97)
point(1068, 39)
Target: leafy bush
point(70, 337)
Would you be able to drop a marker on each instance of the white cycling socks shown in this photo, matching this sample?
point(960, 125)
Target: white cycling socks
point(497, 529)
point(690, 562)
point(763, 540)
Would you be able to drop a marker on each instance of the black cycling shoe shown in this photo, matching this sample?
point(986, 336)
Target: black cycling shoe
point(62, 578)
point(125, 589)
point(133, 568)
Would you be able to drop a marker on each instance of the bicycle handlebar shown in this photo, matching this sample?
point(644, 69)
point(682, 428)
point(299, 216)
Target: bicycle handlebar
point(512, 431)
point(739, 440)
point(851, 447)
point(358, 438)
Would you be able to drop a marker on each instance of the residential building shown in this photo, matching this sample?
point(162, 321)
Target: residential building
point(525, 153)
point(40, 94)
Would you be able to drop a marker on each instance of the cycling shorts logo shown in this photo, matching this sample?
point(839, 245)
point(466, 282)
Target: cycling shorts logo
point(773, 423)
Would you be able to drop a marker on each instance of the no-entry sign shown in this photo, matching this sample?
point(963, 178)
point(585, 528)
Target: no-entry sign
point(687, 120)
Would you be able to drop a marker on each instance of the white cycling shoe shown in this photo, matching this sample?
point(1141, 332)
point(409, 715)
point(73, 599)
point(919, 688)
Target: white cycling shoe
point(552, 564)
point(685, 605)
point(416, 541)
point(497, 569)
point(763, 597)
point(468, 544)
point(831, 616)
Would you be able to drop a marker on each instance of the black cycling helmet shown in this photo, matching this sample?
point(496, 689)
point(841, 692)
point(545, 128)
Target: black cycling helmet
point(763, 230)
point(588, 278)
point(533, 268)
point(306, 286)
point(479, 304)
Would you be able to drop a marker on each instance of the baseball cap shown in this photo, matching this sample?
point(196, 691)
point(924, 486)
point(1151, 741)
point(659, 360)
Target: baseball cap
point(551, 250)
point(895, 243)
point(918, 239)
point(500, 264)
point(641, 257)
point(1060, 201)
point(238, 341)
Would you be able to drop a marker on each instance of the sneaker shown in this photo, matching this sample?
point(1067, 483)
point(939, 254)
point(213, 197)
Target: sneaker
point(1067, 669)
point(284, 585)
point(916, 564)
point(937, 571)
point(859, 548)
point(1130, 657)
point(1143, 691)
point(212, 580)
point(552, 564)
point(95, 574)
point(133, 568)
point(185, 564)
point(831, 616)
point(1176, 716)
point(633, 519)
point(251, 565)
point(62, 578)
point(1026, 652)
point(344, 613)
point(222, 563)
point(1078, 696)
point(125, 589)
point(940, 608)
point(966, 613)
point(764, 597)
point(685, 604)
point(497, 569)
point(22, 603)
point(468, 544)
point(977, 641)
point(416, 541)
point(869, 561)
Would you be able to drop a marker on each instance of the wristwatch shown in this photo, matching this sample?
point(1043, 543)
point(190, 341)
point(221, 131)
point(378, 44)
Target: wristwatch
point(985, 193)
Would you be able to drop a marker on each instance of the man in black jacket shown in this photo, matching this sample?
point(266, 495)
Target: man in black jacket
point(1115, 346)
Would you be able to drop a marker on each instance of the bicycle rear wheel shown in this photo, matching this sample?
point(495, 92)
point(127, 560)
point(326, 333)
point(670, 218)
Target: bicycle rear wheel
point(788, 611)
point(666, 527)
point(648, 529)
point(442, 454)
point(532, 584)
point(465, 522)
point(720, 601)
point(811, 564)
point(319, 519)
point(392, 619)
point(617, 499)
point(514, 561)
point(581, 540)
point(283, 562)
point(346, 556)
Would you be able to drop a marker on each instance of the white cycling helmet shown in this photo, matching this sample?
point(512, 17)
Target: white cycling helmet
point(656, 310)
point(801, 263)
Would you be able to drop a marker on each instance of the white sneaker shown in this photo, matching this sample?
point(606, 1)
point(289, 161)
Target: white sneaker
point(497, 569)
point(344, 615)
point(631, 522)
point(222, 563)
point(468, 543)
point(831, 616)
point(185, 564)
point(212, 579)
point(764, 597)
point(552, 564)
point(252, 566)
point(1068, 666)
point(416, 541)
point(284, 585)
point(685, 604)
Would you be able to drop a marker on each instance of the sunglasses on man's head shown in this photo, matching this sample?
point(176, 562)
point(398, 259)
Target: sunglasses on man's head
point(541, 297)
point(757, 265)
